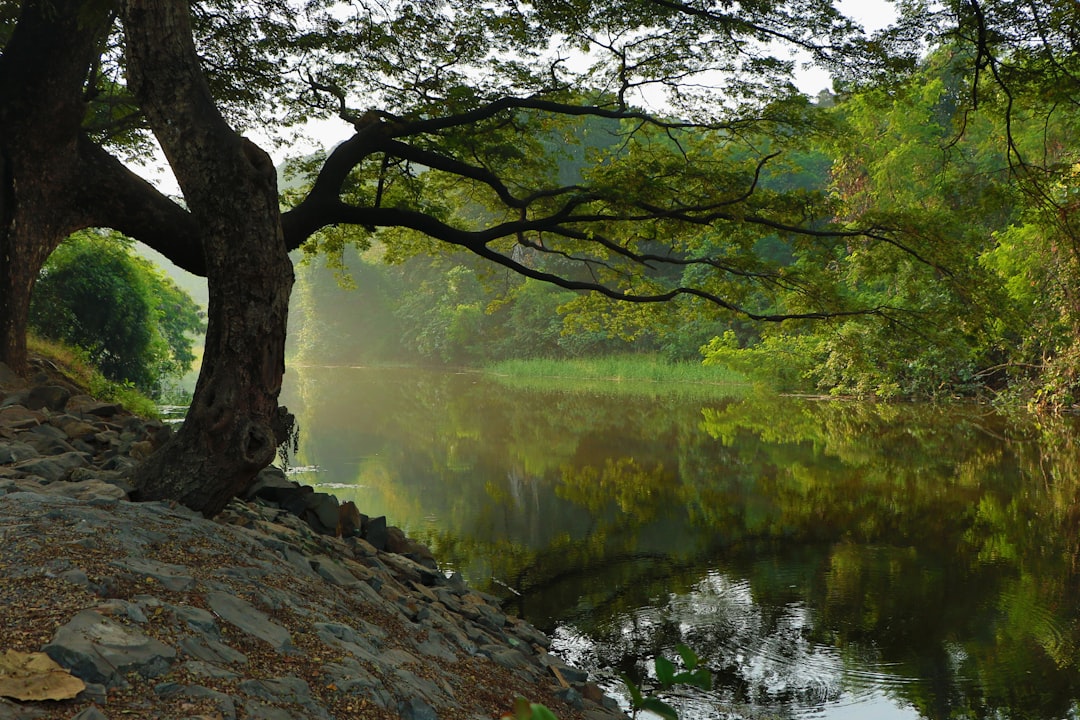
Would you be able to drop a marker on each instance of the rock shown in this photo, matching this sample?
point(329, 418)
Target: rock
point(12, 451)
point(321, 513)
point(174, 577)
point(350, 519)
point(250, 620)
point(19, 417)
point(46, 443)
point(211, 651)
point(417, 709)
point(86, 405)
point(271, 484)
point(333, 572)
point(224, 704)
point(8, 377)
point(375, 532)
point(99, 650)
point(73, 427)
point(53, 397)
point(90, 713)
point(54, 467)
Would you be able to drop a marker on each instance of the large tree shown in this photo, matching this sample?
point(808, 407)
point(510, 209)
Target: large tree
point(451, 103)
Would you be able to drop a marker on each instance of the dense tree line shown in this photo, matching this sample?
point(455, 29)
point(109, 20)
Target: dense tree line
point(981, 294)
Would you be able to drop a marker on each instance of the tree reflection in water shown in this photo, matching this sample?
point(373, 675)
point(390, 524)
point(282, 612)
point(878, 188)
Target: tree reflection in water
point(828, 559)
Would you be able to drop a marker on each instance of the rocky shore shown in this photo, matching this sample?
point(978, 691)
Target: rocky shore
point(286, 606)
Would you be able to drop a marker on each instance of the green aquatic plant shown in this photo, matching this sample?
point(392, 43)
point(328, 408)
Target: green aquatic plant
point(668, 676)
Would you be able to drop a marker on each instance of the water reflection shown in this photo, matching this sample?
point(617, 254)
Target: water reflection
point(830, 560)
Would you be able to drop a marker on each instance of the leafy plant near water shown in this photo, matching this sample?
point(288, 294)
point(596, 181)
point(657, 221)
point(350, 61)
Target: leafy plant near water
point(668, 676)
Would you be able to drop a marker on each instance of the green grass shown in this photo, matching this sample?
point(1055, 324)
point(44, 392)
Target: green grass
point(622, 375)
point(75, 365)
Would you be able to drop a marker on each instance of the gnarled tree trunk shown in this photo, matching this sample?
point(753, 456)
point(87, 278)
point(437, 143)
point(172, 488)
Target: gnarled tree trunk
point(231, 190)
point(42, 72)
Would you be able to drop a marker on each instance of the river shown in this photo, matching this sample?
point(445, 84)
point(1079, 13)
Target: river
point(825, 559)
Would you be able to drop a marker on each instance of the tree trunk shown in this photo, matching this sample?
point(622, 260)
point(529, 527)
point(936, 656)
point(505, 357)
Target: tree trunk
point(42, 71)
point(231, 189)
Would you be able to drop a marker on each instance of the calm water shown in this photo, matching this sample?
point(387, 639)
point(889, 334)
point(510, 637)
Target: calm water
point(828, 560)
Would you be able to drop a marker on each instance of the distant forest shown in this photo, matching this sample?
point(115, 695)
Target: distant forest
point(982, 299)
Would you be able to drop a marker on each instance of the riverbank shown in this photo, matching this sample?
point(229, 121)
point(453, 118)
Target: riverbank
point(152, 611)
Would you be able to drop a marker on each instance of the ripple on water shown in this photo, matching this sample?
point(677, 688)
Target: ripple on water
point(766, 665)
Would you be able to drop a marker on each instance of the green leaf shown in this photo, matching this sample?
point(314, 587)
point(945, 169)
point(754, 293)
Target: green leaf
point(525, 710)
point(689, 657)
point(635, 693)
point(665, 672)
point(700, 678)
point(659, 707)
point(540, 712)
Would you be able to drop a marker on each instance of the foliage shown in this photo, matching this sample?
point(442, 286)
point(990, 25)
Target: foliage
point(666, 677)
point(525, 710)
point(133, 322)
point(77, 365)
point(692, 675)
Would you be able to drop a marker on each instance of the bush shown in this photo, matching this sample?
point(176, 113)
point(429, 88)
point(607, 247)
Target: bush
point(134, 323)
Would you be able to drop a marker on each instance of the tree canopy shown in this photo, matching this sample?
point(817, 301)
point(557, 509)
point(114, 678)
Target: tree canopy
point(134, 323)
point(461, 113)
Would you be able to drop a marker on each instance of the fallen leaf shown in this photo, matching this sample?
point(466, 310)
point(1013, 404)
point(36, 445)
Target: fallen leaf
point(34, 676)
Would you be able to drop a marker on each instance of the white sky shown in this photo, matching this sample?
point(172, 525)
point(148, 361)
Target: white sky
point(873, 15)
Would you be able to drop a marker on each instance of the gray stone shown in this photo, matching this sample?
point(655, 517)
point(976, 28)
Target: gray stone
point(18, 417)
point(255, 710)
point(13, 711)
point(299, 561)
point(375, 532)
point(507, 657)
point(288, 689)
point(116, 607)
point(196, 618)
point(573, 675)
point(100, 650)
point(224, 704)
point(55, 467)
point(332, 572)
point(86, 405)
point(344, 637)
point(12, 451)
point(322, 512)
point(47, 445)
point(250, 620)
point(270, 484)
point(53, 397)
point(77, 576)
point(88, 492)
point(211, 651)
point(206, 669)
point(73, 427)
point(90, 713)
point(571, 697)
point(352, 678)
point(416, 709)
point(173, 577)
point(436, 647)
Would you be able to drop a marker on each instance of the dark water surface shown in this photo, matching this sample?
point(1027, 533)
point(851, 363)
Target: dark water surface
point(827, 560)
